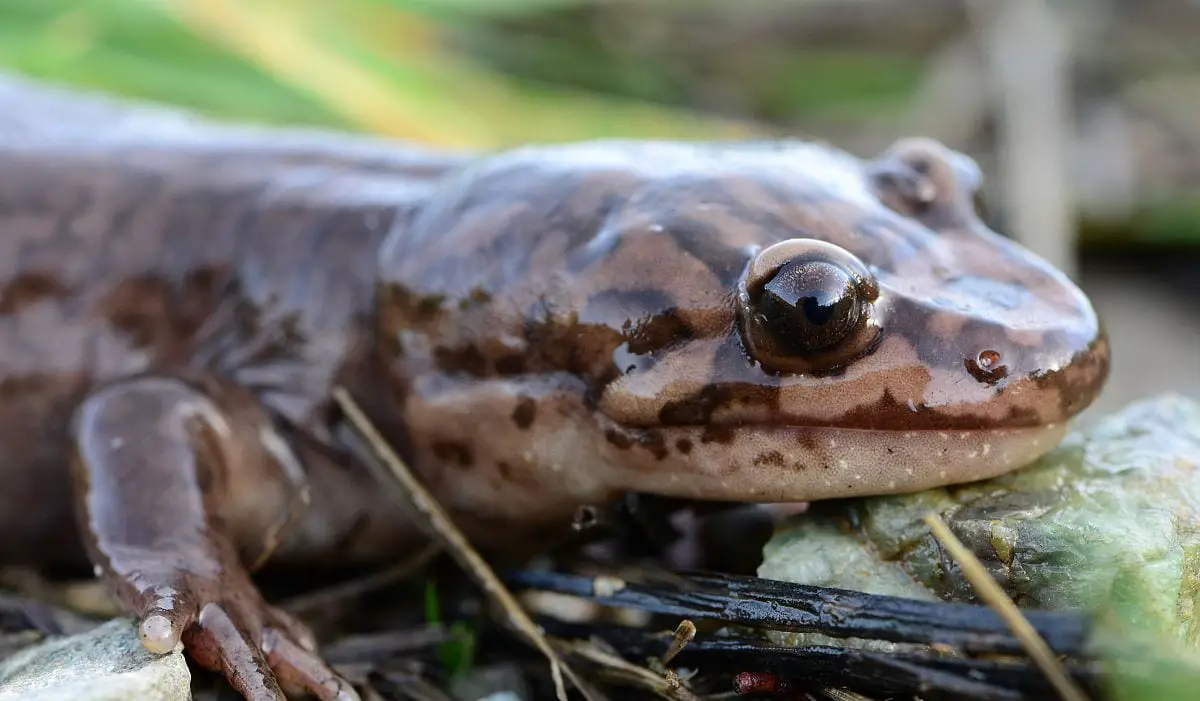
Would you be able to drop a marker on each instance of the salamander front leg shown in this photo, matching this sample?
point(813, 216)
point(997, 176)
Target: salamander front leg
point(178, 485)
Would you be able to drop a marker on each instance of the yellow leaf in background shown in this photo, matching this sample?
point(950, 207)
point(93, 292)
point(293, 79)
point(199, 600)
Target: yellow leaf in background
point(388, 71)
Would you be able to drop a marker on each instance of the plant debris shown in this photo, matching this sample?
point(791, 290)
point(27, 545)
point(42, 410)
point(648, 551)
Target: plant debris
point(440, 525)
point(995, 597)
point(765, 603)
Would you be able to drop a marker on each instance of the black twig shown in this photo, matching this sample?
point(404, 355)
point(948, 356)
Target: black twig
point(839, 613)
point(878, 674)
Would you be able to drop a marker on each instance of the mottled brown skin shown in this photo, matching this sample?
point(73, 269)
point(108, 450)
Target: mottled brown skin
point(535, 330)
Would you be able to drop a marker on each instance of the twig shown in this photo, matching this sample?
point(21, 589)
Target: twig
point(612, 666)
point(877, 673)
point(458, 546)
point(994, 596)
point(775, 605)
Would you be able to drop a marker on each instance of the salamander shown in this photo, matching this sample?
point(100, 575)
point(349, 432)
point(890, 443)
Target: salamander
point(533, 328)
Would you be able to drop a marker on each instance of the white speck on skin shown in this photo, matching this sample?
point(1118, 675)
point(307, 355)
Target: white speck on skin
point(891, 484)
point(987, 448)
point(656, 228)
point(842, 464)
point(858, 477)
point(943, 436)
point(973, 454)
point(832, 443)
point(942, 474)
point(116, 443)
point(964, 436)
point(909, 470)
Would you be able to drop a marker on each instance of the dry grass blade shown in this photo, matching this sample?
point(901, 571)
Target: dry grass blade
point(994, 596)
point(457, 545)
point(613, 666)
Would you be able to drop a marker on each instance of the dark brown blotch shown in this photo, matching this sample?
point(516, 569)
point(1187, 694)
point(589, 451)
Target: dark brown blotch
point(619, 438)
point(139, 307)
point(649, 334)
point(477, 297)
point(684, 445)
point(468, 360)
point(565, 344)
point(696, 409)
point(30, 288)
point(653, 442)
point(525, 413)
point(416, 307)
point(510, 364)
point(453, 451)
point(1079, 383)
point(626, 439)
point(722, 435)
point(771, 457)
point(809, 440)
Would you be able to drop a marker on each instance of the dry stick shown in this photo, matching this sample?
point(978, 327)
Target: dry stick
point(612, 666)
point(994, 596)
point(460, 548)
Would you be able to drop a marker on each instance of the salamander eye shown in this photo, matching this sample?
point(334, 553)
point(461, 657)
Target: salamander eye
point(807, 306)
point(810, 305)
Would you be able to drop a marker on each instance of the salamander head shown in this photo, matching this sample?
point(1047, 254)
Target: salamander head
point(760, 322)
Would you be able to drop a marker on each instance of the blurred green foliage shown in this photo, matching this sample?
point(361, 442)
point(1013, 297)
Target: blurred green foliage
point(493, 73)
point(454, 72)
point(388, 66)
point(136, 48)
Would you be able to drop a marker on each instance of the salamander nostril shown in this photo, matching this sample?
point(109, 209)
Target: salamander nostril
point(987, 366)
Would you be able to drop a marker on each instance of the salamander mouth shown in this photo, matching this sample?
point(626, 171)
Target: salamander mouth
point(768, 463)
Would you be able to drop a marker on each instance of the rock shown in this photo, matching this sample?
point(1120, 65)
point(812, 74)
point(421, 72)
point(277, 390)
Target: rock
point(106, 663)
point(1109, 522)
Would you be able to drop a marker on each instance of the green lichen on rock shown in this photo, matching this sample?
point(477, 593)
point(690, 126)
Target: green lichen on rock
point(1109, 522)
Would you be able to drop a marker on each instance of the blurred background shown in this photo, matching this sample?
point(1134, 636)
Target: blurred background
point(1083, 114)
